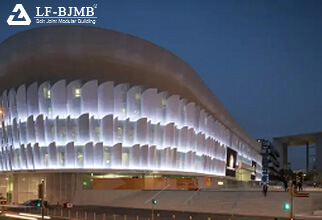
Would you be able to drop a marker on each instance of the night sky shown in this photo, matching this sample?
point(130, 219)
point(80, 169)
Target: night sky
point(262, 59)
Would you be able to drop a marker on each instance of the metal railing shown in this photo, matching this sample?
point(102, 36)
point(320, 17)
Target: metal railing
point(63, 213)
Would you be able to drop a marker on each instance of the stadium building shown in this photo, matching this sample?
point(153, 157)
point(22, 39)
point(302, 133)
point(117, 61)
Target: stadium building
point(85, 108)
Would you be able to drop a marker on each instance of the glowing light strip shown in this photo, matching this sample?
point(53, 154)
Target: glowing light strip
point(18, 216)
point(134, 168)
point(33, 215)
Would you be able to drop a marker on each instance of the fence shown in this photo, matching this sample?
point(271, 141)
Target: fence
point(88, 214)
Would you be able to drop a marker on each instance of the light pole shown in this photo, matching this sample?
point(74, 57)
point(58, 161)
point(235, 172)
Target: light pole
point(154, 202)
point(41, 197)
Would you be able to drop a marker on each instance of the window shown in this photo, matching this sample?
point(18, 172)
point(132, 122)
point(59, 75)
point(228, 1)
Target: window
point(80, 158)
point(74, 131)
point(151, 134)
point(107, 156)
point(17, 157)
point(180, 160)
point(97, 132)
point(52, 130)
point(49, 110)
point(131, 133)
point(62, 133)
point(164, 103)
point(77, 92)
point(61, 158)
point(46, 159)
point(138, 97)
point(119, 133)
point(125, 157)
point(46, 93)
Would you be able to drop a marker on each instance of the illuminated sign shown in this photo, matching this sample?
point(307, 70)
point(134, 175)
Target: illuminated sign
point(231, 162)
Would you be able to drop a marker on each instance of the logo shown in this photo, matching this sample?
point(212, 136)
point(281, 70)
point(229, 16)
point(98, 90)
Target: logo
point(23, 16)
point(66, 15)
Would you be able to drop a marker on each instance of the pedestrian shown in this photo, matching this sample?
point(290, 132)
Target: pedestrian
point(300, 187)
point(265, 188)
point(285, 185)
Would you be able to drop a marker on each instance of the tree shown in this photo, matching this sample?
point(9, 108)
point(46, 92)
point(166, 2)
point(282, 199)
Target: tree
point(286, 175)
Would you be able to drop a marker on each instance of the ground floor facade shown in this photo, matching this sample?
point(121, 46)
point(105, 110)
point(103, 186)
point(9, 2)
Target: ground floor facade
point(61, 187)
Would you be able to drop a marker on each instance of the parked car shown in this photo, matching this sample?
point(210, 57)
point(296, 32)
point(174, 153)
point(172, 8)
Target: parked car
point(34, 203)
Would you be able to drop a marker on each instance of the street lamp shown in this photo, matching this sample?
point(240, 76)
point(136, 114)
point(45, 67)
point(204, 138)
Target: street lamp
point(154, 202)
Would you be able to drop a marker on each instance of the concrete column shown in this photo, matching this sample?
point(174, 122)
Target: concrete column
point(307, 156)
point(319, 154)
point(15, 188)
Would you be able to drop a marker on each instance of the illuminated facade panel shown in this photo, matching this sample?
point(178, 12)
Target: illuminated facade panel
point(106, 126)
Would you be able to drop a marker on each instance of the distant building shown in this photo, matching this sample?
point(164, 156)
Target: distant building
point(308, 140)
point(271, 165)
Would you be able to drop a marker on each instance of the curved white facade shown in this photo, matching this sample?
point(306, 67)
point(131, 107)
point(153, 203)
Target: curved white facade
point(75, 125)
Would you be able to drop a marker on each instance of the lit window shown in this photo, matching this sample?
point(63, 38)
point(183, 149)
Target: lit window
point(125, 159)
point(77, 92)
point(80, 157)
point(138, 97)
point(46, 159)
point(107, 156)
point(61, 157)
point(164, 103)
point(46, 93)
point(119, 132)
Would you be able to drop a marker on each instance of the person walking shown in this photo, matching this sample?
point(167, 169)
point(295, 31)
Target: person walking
point(285, 185)
point(300, 186)
point(265, 188)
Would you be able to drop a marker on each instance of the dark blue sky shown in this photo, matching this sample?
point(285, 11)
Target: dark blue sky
point(262, 59)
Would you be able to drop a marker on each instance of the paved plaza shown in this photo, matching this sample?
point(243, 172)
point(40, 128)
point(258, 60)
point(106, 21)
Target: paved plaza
point(248, 202)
